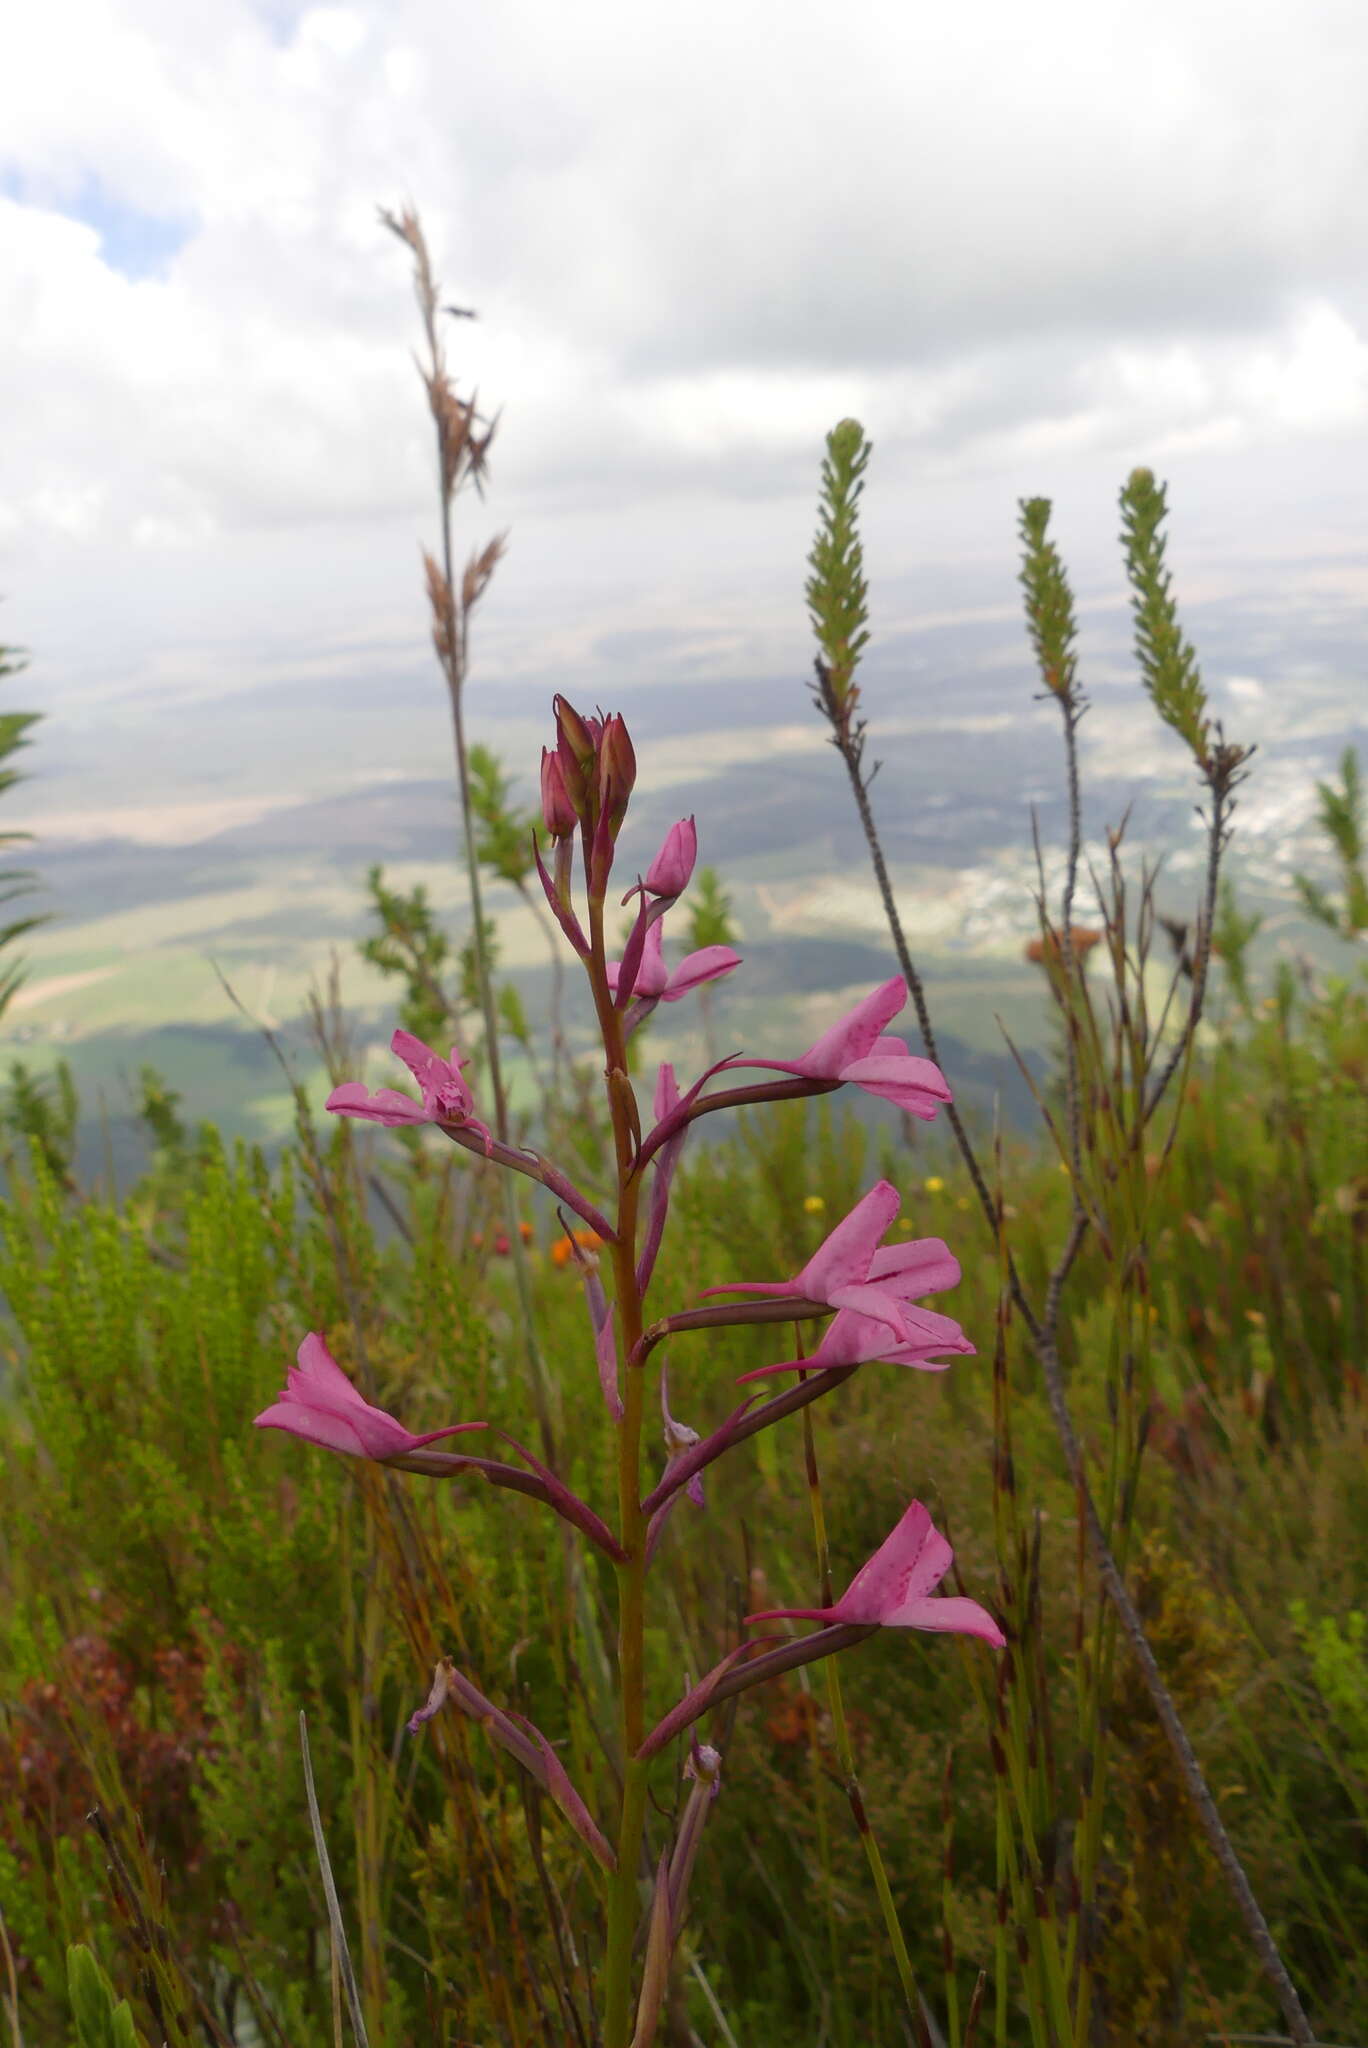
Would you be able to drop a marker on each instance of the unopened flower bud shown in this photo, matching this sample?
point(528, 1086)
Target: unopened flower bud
point(616, 772)
point(558, 811)
point(669, 872)
point(578, 737)
point(577, 752)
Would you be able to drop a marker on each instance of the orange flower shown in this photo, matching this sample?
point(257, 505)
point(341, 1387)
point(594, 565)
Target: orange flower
point(587, 1240)
point(1081, 939)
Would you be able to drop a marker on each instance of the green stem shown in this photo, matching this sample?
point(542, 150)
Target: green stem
point(623, 1902)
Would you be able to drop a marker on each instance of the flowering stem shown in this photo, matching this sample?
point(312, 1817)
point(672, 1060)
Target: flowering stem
point(631, 1572)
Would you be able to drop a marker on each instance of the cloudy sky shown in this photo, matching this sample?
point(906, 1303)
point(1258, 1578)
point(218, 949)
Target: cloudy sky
point(1028, 248)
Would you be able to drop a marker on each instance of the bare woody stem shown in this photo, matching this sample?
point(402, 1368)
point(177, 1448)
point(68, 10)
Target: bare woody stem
point(461, 452)
point(1046, 1350)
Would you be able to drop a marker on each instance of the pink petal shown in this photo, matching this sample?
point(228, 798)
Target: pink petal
point(879, 1304)
point(333, 1430)
point(386, 1106)
point(696, 968)
point(445, 1095)
point(846, 1253)
point(957, 1615)
point(907, 1566)
point(423, 1063)
point(931, 1333)
point(853, 1038)
point(315, 1364)
point(915, 1085)
point(928, 1333)
point(858, 1340)
point(924, 1265)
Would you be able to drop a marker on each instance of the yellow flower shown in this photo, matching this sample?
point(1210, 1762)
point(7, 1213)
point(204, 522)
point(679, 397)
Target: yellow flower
point(905, 1223)
point(934, 1185)
point(814, 1205)
point(961, 1201)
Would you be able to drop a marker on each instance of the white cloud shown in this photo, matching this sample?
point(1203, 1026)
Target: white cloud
point(1028, 250)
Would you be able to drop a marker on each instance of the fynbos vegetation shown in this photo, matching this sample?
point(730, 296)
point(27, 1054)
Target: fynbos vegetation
point(744, 1580)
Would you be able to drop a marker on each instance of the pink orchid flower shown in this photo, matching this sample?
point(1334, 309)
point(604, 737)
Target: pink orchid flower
point(656, 983)
point(446, 1098)
point(856, 1050)
point(924, 1265)
point(842, 1271)
point(895, 1588)
point(321, 1405)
